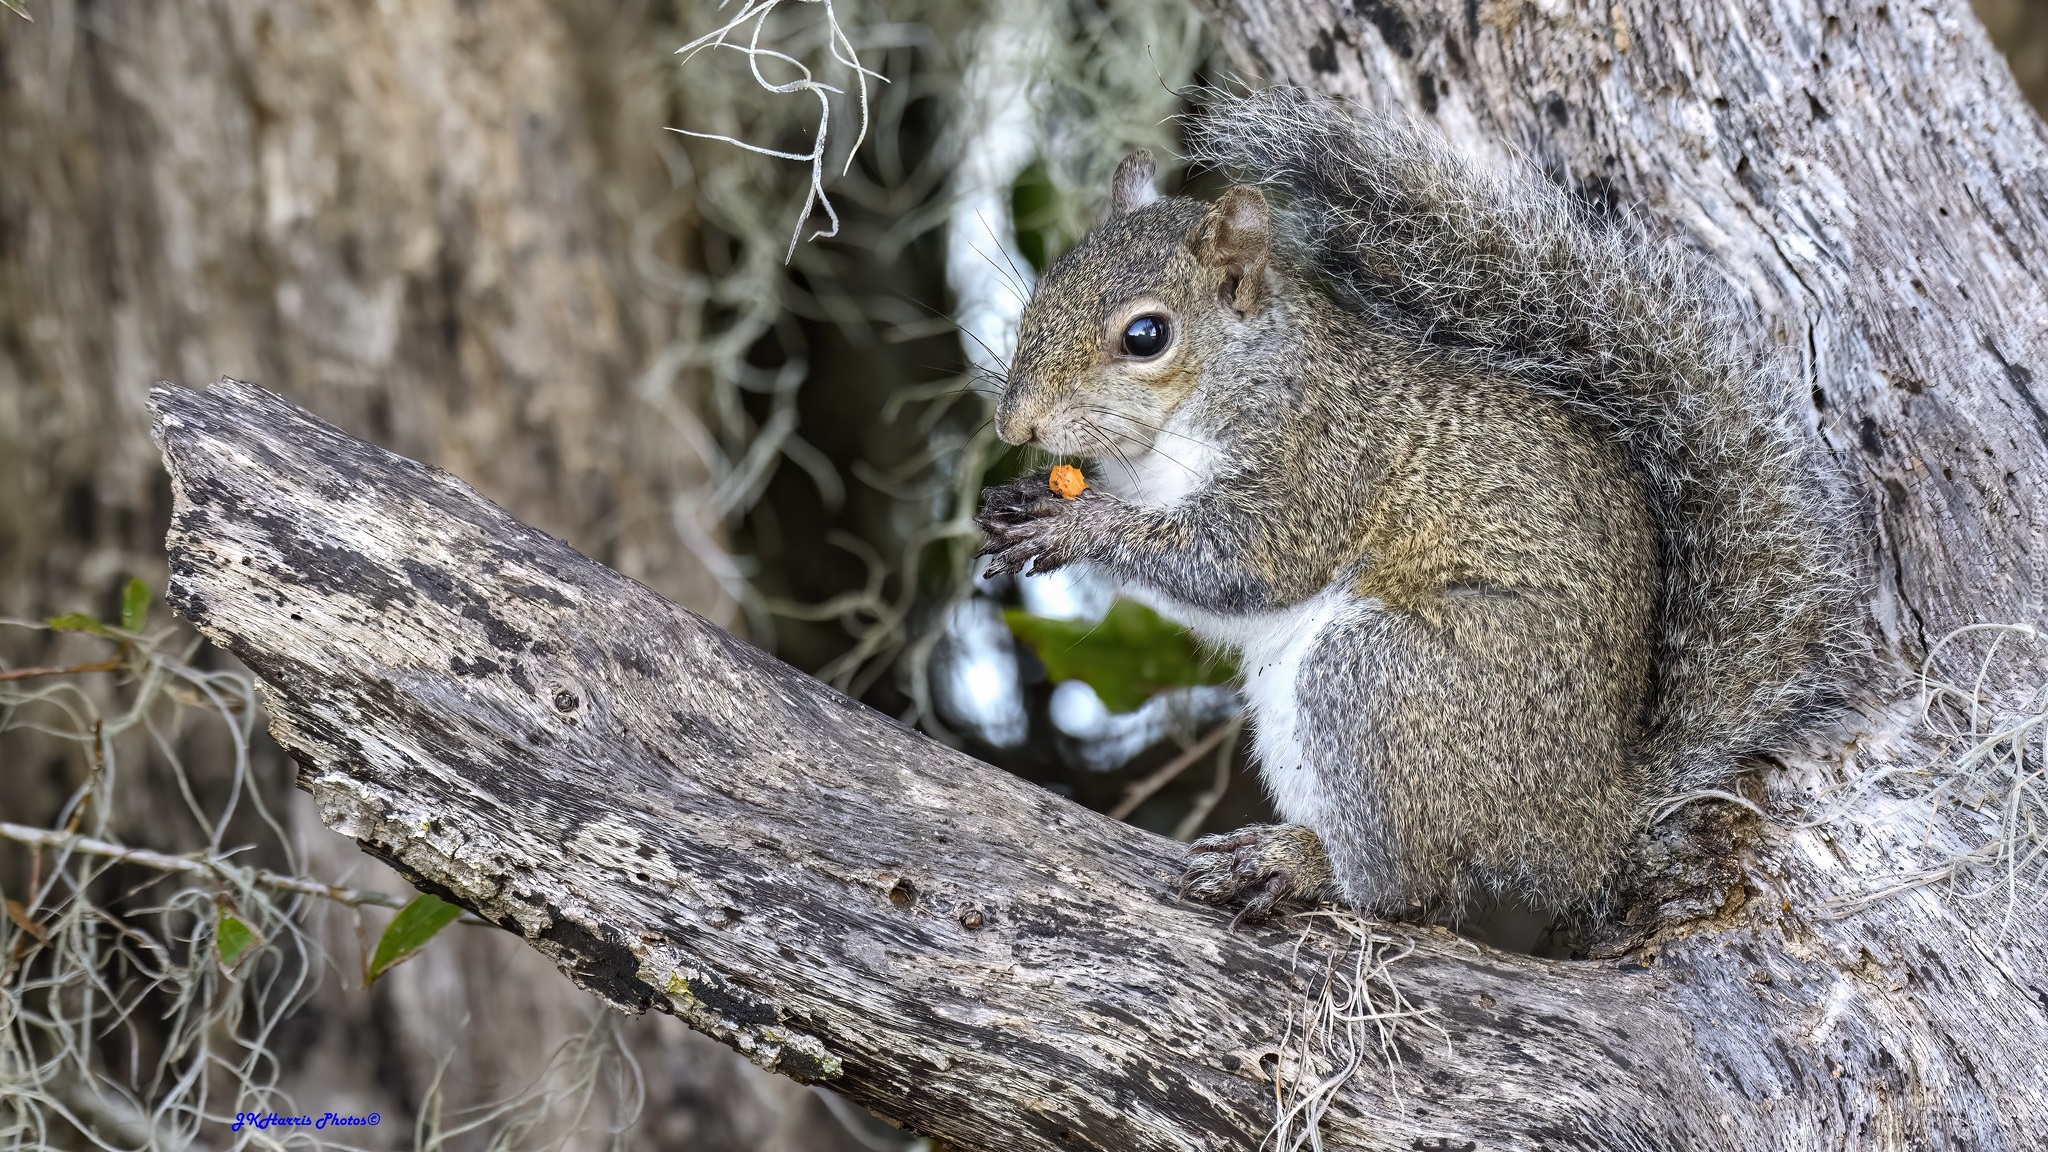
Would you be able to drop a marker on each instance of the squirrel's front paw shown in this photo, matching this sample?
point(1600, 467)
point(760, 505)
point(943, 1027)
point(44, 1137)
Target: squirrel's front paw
point(1262, 864)
point(1027, 523)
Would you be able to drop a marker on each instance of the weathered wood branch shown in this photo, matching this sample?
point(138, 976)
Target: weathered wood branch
point(684, 823)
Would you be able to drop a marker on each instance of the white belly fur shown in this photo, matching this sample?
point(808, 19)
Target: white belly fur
point(1272, 646)
point(1179, 461)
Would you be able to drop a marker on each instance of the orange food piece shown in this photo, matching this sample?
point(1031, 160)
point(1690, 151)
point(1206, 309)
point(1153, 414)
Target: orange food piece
point(1066, 481)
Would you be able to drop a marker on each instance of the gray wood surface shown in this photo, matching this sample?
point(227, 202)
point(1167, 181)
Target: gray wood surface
point(683, 823)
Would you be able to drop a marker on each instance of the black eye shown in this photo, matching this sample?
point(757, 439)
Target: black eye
point(1145, 337)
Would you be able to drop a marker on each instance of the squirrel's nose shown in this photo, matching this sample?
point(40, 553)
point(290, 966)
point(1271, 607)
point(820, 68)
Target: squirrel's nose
point(1011, 424)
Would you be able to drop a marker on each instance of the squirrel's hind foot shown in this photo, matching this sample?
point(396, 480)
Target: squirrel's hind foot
point(1261, 864)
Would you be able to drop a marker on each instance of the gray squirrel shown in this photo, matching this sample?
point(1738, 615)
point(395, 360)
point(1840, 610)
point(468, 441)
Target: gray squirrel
point(1515, 538)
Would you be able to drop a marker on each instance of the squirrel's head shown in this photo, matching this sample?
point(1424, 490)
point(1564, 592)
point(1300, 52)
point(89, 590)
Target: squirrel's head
point(1123, 328)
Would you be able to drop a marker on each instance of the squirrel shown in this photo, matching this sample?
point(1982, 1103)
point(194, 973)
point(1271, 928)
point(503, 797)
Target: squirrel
point(1515, 538)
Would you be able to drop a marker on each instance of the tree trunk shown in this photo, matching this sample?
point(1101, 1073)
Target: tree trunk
point(1868, 178)
point(417, 216)
point(1865, 175)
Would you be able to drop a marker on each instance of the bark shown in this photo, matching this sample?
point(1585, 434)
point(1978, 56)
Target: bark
point(417, 214)
point(1866, 176)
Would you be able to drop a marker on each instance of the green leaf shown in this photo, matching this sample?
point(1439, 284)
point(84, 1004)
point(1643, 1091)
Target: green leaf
point(1127, 656)
point(233, 940)
point(134, 605)
point(409, 932)
point(1037, 216)
point(79, 622)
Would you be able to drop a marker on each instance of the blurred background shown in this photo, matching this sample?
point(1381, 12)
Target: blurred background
point(467, 233)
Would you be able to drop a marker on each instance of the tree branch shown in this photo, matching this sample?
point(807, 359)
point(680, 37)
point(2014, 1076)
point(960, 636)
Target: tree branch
point(681, 822)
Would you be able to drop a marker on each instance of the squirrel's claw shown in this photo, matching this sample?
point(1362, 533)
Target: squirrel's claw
point(1261, 864)
point(1006, 561)
point(1006, 501)
point(1019, 519)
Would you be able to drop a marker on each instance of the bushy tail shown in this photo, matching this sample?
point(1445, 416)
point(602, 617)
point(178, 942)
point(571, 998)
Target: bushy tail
point(1503, 268)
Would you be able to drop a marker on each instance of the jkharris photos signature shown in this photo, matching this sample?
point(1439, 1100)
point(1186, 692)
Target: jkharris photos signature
point(262, 1120)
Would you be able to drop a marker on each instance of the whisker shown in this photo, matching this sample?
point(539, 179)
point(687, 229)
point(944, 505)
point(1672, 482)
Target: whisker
point(1016, 289)
point(1101, 436)
point(999, 360)
point(978, 427)
point(1099, 439)
point(960, 391)
point(996, 358)
point(1014, 270)
point(1153, 450)
point(990, 374)
point(1198, 442)
point(1134, 441)
point(1008, 275)
point(986, 375)
point(963, 331)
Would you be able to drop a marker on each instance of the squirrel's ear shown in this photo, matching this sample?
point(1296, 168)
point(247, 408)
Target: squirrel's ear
point(1131, 187)
point(1236, 238)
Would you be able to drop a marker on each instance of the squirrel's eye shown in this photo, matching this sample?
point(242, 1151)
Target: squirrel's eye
point(1145, 337)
